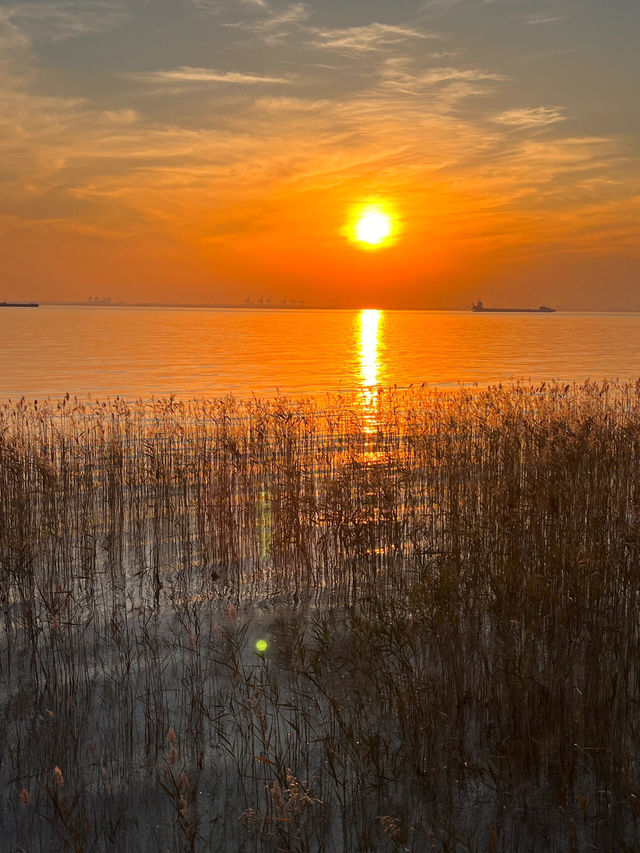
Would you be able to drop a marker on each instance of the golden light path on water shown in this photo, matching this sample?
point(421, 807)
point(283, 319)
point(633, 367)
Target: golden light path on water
point(369, 321)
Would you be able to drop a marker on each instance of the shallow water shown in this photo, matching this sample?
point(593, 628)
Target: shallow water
point(449, 605)
point(140, 352)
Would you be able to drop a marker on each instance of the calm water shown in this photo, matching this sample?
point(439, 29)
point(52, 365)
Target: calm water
point(140, 352)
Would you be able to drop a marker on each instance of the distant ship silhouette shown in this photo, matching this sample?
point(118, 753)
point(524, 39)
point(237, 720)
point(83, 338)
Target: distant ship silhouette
point(479, 308)
point(19, 304)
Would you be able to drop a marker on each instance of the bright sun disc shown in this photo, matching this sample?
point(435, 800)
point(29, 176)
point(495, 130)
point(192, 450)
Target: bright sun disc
point(372, 226)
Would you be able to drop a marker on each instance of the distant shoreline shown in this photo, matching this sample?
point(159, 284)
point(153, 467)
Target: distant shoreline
point(257, 307)
point(252, 307)
point(242, 306)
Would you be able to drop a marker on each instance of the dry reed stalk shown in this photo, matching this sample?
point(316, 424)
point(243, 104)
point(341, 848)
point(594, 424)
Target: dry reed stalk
point(448, 587)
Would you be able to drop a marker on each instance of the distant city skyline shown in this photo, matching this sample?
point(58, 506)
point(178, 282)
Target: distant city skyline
point(196, 151)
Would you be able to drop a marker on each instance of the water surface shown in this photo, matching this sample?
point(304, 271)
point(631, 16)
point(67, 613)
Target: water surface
point(141, 352)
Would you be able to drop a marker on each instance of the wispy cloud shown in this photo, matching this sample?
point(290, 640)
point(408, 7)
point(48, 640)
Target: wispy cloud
point(12, 39)
point(59, 20)
point(187, 74)
point(293, 14)
point(213, 6)
point(120, 117)
point(536, 20)
point(116, 159)
point(531, 117)
point(449, 75)
point(277, 25)
point(445, 86)
point(437, 6)
point(366, 38)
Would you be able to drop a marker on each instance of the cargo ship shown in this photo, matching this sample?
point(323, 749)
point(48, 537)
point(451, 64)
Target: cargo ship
point(479, 308)
point(19, 304)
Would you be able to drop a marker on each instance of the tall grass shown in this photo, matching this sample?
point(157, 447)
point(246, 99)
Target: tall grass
point(447, 583)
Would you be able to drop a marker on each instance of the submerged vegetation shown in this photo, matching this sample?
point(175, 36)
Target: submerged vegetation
point(445, 584)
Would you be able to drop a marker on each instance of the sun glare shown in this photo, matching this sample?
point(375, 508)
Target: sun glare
point(371, 226)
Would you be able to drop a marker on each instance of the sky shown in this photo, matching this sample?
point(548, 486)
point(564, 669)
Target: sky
point(210, 151)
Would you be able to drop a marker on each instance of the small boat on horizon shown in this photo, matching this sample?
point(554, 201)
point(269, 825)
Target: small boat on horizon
point(19, 304)
point(479, 308)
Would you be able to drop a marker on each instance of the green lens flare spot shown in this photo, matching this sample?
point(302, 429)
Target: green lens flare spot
point(262, 645)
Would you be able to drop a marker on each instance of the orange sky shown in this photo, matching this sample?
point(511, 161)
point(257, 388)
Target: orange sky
point(210, 152)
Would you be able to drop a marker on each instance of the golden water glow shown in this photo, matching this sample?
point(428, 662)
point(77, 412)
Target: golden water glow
point(369, 320)
point(369, 333)
point(372, 225)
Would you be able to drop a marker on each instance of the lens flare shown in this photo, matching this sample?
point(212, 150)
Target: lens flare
point(262, 646)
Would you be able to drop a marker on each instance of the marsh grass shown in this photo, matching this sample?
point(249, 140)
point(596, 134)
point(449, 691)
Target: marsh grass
point(447, 582)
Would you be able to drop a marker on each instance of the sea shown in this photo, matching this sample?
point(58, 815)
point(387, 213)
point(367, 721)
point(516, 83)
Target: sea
point(139, 353)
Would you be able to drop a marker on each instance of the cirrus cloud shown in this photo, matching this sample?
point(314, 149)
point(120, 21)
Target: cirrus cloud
point(187, 74)
point(530, 117)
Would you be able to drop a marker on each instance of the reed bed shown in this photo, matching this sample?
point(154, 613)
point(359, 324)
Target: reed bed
point(447, 583)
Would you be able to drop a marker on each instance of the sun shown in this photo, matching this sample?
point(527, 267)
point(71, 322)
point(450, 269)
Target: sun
point(371, 226)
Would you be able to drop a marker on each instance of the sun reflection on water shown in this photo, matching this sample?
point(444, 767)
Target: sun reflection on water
point(369, 334)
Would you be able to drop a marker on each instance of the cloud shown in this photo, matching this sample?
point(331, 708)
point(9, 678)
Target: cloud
point(444, 86)
point(272, 27)
point(367, 38)
point(530, 117)
point(116, 158)
point(12, 40)
point(291, 105)
point(213, 6)
point(449, 75)
point(290, 15)
point(217, 6)
point(59, 20)
point(436, 6)
point(187, 74)
point(537, 20)
point(277, 25)
point(121, 116)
